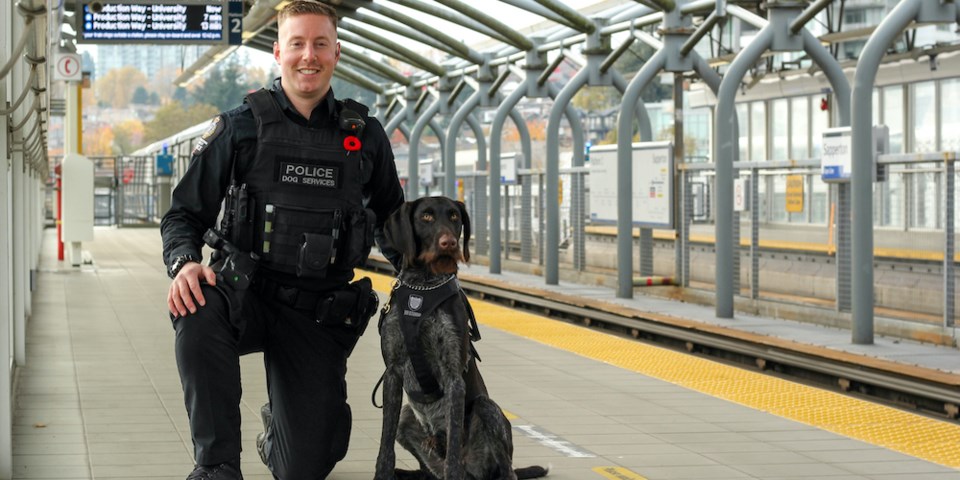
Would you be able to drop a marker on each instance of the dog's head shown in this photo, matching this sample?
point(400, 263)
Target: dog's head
point(427, 232)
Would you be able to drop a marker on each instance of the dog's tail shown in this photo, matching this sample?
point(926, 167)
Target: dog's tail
point(533, 471)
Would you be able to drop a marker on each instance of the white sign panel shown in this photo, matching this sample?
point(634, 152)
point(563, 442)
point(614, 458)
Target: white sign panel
point(426, 172)
point(835, 164)
point(741, 195)
point(68, 67)
point(508, 168)
point(652, 184)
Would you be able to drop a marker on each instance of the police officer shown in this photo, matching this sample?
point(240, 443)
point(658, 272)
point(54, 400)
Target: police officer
point(308, 182)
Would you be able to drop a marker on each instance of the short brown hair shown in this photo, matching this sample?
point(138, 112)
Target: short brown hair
point(307, 7)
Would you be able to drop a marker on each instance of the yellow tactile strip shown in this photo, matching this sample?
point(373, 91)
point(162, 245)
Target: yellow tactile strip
point(916, 435)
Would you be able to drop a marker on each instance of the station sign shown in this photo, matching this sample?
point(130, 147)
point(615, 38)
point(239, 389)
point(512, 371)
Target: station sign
point(508, 168)
point(159, 21)
point(836, 160)
point(653, 177)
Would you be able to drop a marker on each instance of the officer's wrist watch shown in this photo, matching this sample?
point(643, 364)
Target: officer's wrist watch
point(178, 264)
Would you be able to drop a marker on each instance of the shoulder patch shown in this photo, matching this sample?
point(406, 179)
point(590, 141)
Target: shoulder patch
point(212, 132)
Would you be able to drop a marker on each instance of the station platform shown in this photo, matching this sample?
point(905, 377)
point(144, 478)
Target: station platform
point(100, 398)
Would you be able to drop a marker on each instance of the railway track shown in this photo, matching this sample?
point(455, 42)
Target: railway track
point(936, 394)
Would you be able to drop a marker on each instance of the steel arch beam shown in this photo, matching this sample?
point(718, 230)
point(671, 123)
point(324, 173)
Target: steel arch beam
point(575, 20)
point(452, 17)
point(390, 48)
point(509, 35)
point(353, 57)
point(456, 47)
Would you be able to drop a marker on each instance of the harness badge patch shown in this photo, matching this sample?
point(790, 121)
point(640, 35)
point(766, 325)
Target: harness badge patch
point(414, 303)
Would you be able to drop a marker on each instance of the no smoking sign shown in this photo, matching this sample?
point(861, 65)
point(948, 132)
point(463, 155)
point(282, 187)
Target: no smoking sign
point(68, 68)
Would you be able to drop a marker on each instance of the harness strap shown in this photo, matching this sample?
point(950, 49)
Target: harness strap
point(416, 304)
point(265, 108)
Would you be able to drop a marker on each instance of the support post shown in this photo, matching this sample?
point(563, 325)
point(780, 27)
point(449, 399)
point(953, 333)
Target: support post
point(861, 181)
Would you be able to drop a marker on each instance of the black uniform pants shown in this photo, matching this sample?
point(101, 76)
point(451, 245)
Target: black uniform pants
point(305, 365)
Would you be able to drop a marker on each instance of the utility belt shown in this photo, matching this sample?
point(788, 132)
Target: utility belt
point(349, 307)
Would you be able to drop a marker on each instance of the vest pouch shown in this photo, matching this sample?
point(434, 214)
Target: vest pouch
point(314, 256)
point(299, 240)
point(359, 232)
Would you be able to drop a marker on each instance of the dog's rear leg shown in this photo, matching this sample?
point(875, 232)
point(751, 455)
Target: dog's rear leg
point(392, 401)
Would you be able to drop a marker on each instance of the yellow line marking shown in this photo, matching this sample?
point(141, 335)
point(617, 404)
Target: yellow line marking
point(510, 416)
point(618, 473)
point(922, 437)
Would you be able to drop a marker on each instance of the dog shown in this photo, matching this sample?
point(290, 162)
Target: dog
point(450, 424)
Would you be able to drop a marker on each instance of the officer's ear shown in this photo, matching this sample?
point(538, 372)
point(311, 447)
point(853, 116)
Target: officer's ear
point(399, 232)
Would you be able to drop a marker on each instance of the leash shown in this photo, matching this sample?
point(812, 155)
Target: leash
point(373, 396)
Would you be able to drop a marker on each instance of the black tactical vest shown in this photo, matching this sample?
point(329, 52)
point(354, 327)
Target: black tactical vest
point(306, 214)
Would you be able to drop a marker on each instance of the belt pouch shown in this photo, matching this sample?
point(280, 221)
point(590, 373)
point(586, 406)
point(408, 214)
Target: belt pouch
point(314, 254)
point(360, 231)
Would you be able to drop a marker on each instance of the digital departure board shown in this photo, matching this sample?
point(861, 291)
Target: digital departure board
point(159, 21)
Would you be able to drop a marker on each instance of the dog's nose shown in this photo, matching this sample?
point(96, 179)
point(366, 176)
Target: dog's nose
point(448, 242)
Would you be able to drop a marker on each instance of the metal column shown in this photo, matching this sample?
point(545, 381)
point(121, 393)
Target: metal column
point(861, 179)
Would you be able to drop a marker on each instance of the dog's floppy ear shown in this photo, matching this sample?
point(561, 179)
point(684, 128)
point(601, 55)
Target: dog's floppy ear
point(466, 230)
point(399, 232)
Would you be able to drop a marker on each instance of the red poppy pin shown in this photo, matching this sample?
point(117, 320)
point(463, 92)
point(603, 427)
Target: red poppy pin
point(351, 143)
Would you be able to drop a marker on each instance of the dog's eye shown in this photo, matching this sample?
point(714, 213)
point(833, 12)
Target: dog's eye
point(427, 217)
point(454, 217)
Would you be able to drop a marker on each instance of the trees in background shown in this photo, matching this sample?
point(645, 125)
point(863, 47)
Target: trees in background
point(116, 88)
point(226, 85)
point(128, 135)
point(174, 117)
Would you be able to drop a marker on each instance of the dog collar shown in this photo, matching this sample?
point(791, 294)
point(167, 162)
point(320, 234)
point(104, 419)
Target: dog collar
point(424, 288)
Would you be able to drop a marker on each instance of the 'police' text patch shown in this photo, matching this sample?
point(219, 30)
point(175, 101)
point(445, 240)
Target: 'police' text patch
point(309, 174)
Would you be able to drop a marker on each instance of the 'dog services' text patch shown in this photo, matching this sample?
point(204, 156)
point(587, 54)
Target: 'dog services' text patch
point(309, 174)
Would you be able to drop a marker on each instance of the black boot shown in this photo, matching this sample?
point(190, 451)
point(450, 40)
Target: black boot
point(224, 471)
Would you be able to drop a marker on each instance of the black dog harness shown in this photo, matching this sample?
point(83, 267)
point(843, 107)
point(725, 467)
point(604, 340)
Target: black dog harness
point(418, 302)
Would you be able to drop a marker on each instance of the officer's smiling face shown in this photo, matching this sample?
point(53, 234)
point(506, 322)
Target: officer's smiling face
point(307, 52)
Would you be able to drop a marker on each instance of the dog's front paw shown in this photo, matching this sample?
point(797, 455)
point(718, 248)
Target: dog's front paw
point(384, 474)
point(413, 475)
point(454, 472)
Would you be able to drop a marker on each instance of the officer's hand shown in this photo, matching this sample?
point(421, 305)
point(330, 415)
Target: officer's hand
point(186, 287)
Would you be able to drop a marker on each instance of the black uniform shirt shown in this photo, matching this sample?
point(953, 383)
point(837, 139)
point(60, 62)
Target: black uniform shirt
point(199, 193)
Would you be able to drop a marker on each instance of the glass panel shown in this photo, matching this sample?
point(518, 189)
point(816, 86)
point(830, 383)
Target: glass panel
point(743, 123)
point(778, 129)
point(696, 130)
point(819, 201)
point(819, 121)
point(923, 204)
point(799, 128)
point(950, 116)
point(893, 116)
point(888, 199)
point(758, 132)
point(778, 212)
point(924, 117)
